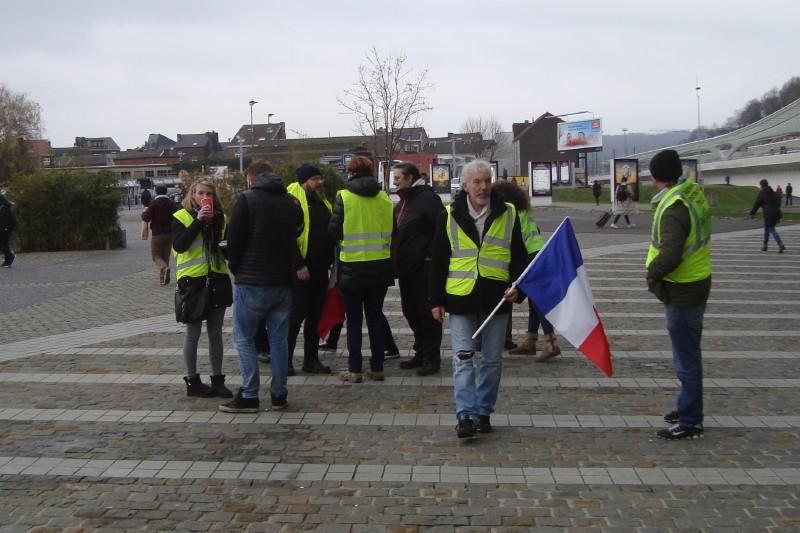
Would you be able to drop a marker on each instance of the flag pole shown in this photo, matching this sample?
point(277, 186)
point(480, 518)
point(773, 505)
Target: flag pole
point(516, 281)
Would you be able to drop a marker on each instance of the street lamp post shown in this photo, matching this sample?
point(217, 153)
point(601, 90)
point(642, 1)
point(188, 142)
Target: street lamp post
point(697, 91)
point(252, 130)
point(241, 156)
point(625, 139)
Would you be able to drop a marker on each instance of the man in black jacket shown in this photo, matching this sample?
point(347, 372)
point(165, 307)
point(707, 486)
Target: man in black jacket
point(770, 204)
point(264, 259)
point(416, 215)
point(316, 249)
point(7, 224)
point(477, 251)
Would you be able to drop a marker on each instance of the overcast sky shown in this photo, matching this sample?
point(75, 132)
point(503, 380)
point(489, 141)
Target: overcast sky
point(127, 69)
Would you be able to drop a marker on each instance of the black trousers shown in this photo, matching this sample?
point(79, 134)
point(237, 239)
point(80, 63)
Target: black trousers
point(388, 338)
point(307, 299)
point(417, 310)
point(5, 246)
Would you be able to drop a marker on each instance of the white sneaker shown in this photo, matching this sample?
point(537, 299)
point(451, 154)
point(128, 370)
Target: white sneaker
point(613, 226)
point(631, 225)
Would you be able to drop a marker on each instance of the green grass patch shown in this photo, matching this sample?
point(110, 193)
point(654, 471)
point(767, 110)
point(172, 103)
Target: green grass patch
point(731, 201)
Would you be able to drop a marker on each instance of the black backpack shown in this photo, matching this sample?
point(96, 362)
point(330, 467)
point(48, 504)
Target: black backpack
point(622, 193)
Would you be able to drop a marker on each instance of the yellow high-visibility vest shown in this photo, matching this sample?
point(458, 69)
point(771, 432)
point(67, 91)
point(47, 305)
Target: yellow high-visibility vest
point(296, 190)
point(367, 230)
point(468, 261)
point(530, 232)
point(193, 262)
point(696, 263)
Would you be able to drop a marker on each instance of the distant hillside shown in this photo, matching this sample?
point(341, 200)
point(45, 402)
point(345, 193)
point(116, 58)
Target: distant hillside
point(614, 145)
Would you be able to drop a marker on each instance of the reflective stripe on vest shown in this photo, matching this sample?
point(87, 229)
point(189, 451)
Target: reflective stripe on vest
point(296, 190)
point(193, 262)
point(530, 233)
point(467, 261)
point(362, 213)
point(696, 262)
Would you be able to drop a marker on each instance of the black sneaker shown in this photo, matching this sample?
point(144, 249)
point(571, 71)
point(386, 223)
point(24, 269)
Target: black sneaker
point(240, 405)
point(263, 357)
point(278, 402)
point(325, 347)
point(680, 432)
point(391, 354)
point(671, 417)
point(484, 426)
point(465, 428)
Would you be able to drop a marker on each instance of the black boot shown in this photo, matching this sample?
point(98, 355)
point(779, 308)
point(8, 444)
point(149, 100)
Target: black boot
point(218, 387)
point(195, 387)
point(312, 365)
point(428, 368)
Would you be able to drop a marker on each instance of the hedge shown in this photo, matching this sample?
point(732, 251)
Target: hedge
point(63, 210)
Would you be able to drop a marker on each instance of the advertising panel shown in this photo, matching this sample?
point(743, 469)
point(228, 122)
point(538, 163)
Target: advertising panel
point(586, 135)
point(540, 173)
point(564, 173)
point(440, 178)
point(689, 170)
point(524, 183)
point(626, 171)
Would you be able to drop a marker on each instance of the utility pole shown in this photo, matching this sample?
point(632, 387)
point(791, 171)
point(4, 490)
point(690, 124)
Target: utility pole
point(241, 157)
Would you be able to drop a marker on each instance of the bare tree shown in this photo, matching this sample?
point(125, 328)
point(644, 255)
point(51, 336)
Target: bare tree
point(488, 127)
point(20, 118)
point(388, 97)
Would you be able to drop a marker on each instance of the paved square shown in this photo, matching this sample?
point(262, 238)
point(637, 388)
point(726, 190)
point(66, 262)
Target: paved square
point(97, 432)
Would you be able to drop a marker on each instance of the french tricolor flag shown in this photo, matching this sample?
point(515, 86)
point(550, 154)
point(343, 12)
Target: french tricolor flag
point(556, 281)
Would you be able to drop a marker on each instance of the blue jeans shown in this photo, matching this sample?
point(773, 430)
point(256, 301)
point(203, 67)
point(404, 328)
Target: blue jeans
point(685, 326)
point(472, 401)
point(252, 305)
point(770, 230)
point(357, 304)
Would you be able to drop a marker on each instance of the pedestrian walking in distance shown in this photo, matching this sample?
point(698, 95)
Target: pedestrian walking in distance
point(770, 205)
point(159, 215)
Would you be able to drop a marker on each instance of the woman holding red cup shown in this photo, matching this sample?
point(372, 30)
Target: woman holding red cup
point(198, 231)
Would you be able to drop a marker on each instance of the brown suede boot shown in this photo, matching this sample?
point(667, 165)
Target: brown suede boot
point(550, 349)
point(528, 346)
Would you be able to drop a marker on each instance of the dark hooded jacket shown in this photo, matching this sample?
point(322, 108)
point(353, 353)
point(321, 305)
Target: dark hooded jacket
point(769, 202)
point(357, 275)
point(416, 216)
point(262, 234)
point(7, 219)
point(487, 292)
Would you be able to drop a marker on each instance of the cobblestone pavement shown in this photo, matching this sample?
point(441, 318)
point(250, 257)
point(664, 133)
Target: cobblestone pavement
point(99, 435)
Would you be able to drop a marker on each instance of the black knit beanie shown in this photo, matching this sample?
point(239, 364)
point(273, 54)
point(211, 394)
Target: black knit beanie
point(666, 166)
point(305, 172)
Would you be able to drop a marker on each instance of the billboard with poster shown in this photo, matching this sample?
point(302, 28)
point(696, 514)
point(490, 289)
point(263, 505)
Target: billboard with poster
point(689, 170)
point(628, 170)
point(564, 173)
point(540, 178)
point(440, 178)
point(584, 135)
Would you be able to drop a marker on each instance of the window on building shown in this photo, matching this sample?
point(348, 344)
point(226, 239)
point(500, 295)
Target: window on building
point(162, 173)
point(148, 174)
point(125, 174)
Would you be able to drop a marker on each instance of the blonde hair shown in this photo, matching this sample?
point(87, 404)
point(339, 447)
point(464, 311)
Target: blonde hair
point(188, 202)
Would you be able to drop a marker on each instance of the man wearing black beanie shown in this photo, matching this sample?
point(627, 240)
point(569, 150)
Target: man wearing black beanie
point(679, 274)
point(316, 249)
